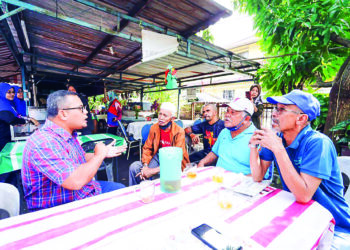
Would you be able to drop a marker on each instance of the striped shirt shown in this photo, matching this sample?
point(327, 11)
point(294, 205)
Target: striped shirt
point(50, 155)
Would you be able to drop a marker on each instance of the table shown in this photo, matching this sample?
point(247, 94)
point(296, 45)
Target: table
point(11, 154)
point(119, 220)
point(135, 128)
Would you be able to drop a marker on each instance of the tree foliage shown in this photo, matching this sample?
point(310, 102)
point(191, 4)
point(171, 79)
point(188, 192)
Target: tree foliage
point(295, 27)
point(206, 35)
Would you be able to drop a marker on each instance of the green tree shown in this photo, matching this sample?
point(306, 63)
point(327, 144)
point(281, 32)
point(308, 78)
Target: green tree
point(206, 35)
point(316, 35)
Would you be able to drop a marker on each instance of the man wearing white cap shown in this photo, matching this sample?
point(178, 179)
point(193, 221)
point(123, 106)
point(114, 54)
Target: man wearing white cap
point(165, 133)
point(306, 159)
point(231, 149)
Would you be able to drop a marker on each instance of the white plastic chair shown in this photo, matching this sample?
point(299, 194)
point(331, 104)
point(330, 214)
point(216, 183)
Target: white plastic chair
point(344, 165)
point(9, 198)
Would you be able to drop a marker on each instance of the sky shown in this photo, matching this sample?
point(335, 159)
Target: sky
point(232, 29)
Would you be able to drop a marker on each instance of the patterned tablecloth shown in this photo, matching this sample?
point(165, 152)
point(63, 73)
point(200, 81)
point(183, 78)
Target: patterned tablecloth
point(119, 220)
point(11, 154)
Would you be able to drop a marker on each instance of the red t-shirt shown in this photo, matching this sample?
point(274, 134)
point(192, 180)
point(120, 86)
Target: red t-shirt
point(164, 139)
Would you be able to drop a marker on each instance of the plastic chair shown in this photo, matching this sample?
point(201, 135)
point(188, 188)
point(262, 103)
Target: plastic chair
point(344, 165)
point(145, 132)
point(197, 121)
point(130, 141)
point(9, 199)
point(180, 123)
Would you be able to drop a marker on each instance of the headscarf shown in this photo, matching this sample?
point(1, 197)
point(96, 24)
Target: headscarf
point(112, 96)
point(5, 104)
point(20, 104)
point(257, 100)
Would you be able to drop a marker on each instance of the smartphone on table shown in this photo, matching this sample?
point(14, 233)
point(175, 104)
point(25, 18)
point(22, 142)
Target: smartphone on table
point(213, 238)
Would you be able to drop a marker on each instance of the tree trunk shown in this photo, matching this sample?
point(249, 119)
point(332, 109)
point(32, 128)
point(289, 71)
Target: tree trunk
point(339, 99)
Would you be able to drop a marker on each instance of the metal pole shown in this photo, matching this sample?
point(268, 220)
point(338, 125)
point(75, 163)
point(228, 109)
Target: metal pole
point(141, 98)
point(178, 101)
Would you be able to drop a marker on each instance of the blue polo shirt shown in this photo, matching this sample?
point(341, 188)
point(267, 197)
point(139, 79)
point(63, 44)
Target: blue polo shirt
point(234, 152)
point(314, 154)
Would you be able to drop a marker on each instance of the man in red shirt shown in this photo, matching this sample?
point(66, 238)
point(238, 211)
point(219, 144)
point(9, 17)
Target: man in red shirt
point(165, 133)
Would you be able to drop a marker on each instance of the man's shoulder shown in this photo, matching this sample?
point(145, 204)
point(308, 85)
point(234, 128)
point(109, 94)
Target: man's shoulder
point(220, 123)
point(41, 138)
point(316, 137)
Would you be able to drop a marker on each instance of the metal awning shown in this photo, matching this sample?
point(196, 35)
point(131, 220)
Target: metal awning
point(94, 43)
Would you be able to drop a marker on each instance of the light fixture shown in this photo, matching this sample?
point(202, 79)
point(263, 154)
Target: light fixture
point(111, 50)
point(23, 24)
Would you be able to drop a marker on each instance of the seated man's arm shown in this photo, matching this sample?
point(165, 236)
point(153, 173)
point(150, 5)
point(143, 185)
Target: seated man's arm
point(86, 171)
point(258, 166)
point(209, 158)
point(190, 132)
point(302, 185)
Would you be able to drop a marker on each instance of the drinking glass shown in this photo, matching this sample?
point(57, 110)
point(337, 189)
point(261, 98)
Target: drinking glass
point(191, 170)
point(145, 190)
point(225, 198)
point(218, 175)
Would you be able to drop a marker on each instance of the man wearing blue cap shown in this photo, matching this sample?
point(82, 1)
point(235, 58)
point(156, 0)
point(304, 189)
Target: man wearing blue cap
point(306, 159)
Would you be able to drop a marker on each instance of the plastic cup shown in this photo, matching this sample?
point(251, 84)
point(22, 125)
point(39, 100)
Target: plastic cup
point(218, 175)
point(225, 198)
point(191, 170)
point(145, 191)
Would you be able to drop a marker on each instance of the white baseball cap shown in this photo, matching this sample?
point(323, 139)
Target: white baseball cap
point(168, 106)
point(241, 104)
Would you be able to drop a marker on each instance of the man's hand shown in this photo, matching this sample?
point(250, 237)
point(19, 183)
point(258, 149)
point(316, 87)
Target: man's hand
point(146, 172)
point(195, 138)
point(35, 122)
point(200, 164)
point(115, 151)
point(101, 150)
point(267, 138)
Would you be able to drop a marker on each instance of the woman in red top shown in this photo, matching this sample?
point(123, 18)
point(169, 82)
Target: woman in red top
point(114, 112)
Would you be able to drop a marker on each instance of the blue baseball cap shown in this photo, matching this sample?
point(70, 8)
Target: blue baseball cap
point(305, 101)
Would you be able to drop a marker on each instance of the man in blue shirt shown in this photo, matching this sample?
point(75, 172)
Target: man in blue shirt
point(231, 148)
point(306, 159)
point(210, 129)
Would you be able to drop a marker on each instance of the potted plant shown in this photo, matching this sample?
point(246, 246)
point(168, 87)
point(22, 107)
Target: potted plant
point(137, 109)
point(343, 136)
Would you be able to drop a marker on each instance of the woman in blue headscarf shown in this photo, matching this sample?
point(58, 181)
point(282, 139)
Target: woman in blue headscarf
point(20, 104)
point(8, 114)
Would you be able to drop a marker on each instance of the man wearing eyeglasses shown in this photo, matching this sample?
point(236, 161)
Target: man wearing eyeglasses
point(55, 168)
point(231, 148)
point(306, 159)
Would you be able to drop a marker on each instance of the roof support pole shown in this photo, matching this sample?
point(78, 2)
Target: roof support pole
point(25, 95)
point(178, 101)
point(141, 98)
point(13, 12)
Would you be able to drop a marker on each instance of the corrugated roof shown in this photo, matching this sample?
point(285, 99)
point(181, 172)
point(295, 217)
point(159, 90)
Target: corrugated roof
point(61, 44)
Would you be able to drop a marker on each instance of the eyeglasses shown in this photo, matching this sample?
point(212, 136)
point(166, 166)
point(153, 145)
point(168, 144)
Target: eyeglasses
point(82, 108)
point(19, 91)
point(10, 92)
point(281, 110)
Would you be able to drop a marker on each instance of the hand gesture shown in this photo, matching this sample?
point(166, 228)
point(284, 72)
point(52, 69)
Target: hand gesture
point(195, 138)
point(267, 138)
point(114, 151)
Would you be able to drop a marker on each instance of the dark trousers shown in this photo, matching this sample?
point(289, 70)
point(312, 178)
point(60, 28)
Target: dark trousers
point(197, 156)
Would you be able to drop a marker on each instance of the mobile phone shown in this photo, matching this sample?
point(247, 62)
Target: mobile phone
point(247, 95)
point(213, 238)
